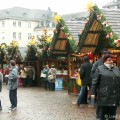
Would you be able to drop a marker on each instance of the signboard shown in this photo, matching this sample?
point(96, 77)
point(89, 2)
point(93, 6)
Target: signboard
point(58, 84)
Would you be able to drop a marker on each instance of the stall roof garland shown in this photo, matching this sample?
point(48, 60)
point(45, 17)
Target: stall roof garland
point(33, 51)
point(97, 27)
point(62, 42)
point(13, 51)
point(3, 53)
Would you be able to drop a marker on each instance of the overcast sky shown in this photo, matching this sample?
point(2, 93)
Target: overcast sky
point(59, 6)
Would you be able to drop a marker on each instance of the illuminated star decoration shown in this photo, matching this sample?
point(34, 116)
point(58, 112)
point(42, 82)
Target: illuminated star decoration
point(3, 46)
point(90, 6)
point(57, 18)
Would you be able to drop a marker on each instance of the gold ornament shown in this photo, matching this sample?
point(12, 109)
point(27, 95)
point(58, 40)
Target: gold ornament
point(57, 18)
point(90, 6)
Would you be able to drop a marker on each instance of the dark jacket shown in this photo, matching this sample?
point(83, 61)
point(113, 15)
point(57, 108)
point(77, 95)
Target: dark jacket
point(107, 82)
point(95, 65)
point(85, 70)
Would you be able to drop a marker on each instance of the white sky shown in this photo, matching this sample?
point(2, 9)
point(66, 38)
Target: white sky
point(59, 6)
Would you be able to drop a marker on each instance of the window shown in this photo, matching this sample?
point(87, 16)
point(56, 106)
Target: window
point(29, 35)
point(19, 36)
point(19, 24)
point(3, 23)
point(14, 24)
point(14, 35)
point(29, 24)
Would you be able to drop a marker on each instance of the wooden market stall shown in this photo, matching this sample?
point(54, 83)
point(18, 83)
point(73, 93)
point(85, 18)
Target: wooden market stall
point(61, 47)
point(32, 63)
point(3, 55)
point(96, 35)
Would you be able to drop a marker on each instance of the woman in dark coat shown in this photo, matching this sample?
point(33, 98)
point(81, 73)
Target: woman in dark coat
point(106, 82)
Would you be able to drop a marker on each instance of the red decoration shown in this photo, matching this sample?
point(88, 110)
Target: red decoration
point(99, 17)
point(109, 35)
point(118, 43)
point(74, 89)
point(90, 55)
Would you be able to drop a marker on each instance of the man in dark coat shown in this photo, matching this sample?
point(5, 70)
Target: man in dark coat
point(85, 70)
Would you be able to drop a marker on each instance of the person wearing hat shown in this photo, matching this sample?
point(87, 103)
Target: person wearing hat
point(106, 82)
point(85, 70)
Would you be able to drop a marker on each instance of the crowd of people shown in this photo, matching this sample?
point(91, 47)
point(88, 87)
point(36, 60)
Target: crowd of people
point(102, 79)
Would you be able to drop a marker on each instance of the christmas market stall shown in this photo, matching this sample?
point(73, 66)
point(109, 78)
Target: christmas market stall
point(95, 36)
point(14, 53)
point(32, 64)
point(61, 47)
point(4, 58)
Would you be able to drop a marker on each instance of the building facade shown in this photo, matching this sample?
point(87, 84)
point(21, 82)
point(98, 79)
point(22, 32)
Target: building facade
point(21, 24)
point(115, 4)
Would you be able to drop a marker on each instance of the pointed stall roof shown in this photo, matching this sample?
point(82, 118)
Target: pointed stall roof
point(62, 43)
point(97, 33)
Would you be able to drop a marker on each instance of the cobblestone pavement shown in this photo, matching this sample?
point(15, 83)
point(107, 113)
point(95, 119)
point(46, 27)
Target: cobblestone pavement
point(35, 103)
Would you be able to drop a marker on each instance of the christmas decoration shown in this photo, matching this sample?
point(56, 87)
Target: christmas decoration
point(109, 35)
point(99, 17)
point(57, 18)
point(90, 6)
point(97, 33)
point(62, 40)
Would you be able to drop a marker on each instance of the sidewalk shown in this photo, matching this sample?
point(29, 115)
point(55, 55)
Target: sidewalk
point(35, 103)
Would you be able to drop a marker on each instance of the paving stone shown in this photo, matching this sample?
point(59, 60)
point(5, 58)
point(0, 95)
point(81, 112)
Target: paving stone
point(35, 103)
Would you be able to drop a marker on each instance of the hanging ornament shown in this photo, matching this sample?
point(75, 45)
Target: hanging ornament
point(90, 55)
point(99, 17)
point(118, 43)
point(105, 23)
point(58, 18)
point(109, 35)
point(90, 6)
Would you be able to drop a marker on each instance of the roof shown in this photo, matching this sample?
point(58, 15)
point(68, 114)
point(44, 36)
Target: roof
point(112, 16)
point(97, 33)
point(112, 3)
point(20, 13)
point(62, 43)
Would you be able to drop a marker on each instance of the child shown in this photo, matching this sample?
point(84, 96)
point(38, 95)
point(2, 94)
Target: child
point(1, 80)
